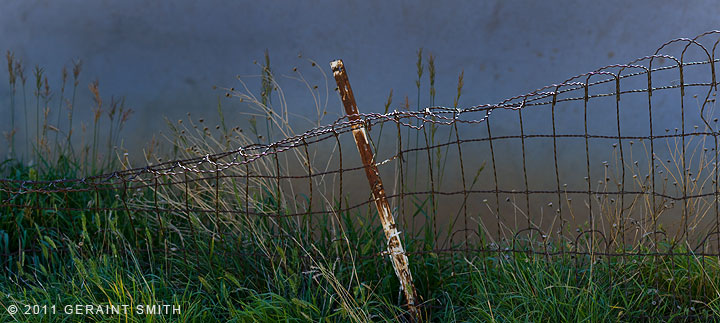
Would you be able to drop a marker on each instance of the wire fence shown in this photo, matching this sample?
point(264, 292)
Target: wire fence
point(618, 162)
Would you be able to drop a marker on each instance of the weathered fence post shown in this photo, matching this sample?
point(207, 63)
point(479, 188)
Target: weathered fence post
point(395, 247)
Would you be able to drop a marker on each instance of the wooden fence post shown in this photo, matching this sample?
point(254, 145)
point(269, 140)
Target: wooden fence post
point(394, 244)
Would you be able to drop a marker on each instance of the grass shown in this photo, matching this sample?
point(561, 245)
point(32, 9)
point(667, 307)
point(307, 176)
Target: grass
point(220, 267)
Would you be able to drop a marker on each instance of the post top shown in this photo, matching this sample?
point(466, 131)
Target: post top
point(336, 64)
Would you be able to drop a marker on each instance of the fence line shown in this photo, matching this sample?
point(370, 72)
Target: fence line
point(519, 176)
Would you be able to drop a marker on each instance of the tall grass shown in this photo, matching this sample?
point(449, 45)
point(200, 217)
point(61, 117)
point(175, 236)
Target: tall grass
point(41, 152)
point(240, 266)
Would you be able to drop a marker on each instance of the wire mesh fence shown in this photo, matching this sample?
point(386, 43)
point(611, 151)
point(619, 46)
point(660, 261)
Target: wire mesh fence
point(620, 162)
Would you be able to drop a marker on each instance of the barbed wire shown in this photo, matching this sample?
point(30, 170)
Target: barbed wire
point(211, 175)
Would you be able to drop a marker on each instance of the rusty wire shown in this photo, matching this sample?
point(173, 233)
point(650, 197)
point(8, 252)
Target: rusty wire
point(473, 125)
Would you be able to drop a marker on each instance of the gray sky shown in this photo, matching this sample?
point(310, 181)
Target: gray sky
point(166, 56)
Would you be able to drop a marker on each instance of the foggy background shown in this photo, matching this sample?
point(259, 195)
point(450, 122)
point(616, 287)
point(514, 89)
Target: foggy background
point(166, 57)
